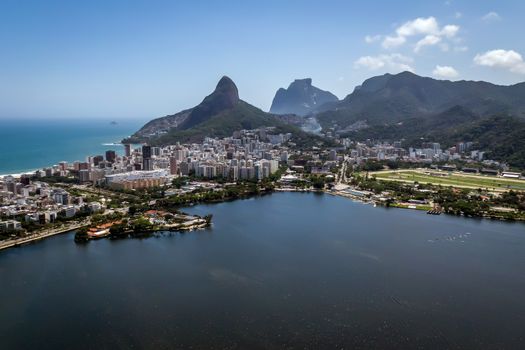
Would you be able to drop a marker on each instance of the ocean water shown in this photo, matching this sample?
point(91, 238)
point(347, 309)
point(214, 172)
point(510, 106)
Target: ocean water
point(27, 145)
point(284, 271)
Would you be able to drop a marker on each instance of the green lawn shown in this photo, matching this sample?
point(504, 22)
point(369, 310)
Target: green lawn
point(452, 180)
point(407, 206)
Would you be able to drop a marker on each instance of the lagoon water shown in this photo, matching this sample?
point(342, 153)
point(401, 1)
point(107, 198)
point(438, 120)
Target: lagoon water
point(287, 270)
point(26, 145)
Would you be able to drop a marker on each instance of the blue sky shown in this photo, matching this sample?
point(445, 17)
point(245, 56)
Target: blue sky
point(144, 59)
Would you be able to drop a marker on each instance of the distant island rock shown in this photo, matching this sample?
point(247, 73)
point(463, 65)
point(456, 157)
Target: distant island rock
point(301, 98)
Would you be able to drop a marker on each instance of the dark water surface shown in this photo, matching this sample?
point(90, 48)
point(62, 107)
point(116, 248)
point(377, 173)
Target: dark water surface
point(281, 271)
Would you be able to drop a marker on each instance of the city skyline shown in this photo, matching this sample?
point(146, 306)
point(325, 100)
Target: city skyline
point(140, 60)
point(262, 174)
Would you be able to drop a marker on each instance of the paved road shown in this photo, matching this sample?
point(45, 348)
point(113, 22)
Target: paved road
point(41, 235)
point(48, 233)
point(341, 177)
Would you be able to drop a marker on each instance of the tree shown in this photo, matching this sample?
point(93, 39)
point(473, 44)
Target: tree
point(132, 210)
point(318, 183)
point(208, 218)
point(81, 236)
point(392, 164)
point(141, 224)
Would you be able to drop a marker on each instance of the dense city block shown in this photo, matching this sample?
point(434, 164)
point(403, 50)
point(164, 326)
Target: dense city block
point(118, 188)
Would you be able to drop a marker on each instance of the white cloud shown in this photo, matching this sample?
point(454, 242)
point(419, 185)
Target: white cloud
point(427, 28)
point(450, 30)
point(418, 26)
point(429, 40)
point(445, 72)
point(393, 63)
point(458, 15)
point(503, 59)
point(372, 38)
point(491, 17)
point(393, 41)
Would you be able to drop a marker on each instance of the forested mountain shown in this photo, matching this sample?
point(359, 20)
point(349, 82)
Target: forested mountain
point(393, 98)
point(416, 109)
point(218, 115)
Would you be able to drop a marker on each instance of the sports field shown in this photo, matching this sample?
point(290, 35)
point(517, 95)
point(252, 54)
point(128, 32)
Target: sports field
point(454, 179)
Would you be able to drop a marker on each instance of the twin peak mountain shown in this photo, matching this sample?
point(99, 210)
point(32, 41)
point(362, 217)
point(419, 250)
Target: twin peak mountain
point(223, 112)
point(390, 106)
point(218, 115)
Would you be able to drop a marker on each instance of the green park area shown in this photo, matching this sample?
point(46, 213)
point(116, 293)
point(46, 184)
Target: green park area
point(451, 179)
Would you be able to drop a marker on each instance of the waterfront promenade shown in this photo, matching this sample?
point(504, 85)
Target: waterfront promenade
point(41, 235)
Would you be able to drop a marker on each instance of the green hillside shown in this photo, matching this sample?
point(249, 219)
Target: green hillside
point(218, 115)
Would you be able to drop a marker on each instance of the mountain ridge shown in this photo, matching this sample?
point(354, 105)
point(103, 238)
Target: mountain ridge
point(417, 109)
point(218, 115)
point(401, 106)
point(394, 97)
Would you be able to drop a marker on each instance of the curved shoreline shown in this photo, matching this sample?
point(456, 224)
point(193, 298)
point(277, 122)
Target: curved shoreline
point(13, 243)
point(26, 240)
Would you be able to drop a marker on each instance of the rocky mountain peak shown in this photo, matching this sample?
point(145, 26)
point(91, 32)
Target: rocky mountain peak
point(307, 82)
point(228, 90)
point(223, 98)
point(301, 98)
